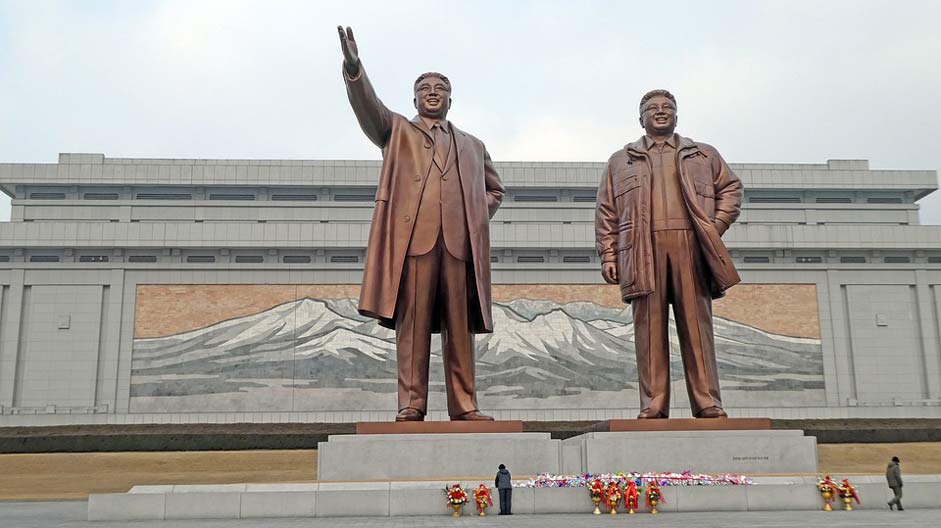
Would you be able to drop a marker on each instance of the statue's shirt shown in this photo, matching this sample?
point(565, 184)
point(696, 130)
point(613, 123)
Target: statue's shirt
point(668, 208)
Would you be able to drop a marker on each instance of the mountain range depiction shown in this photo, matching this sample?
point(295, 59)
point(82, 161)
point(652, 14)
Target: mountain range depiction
point(314, 354)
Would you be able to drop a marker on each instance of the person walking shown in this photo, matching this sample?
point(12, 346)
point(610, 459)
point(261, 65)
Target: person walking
point(893, 474)
point(504, 486)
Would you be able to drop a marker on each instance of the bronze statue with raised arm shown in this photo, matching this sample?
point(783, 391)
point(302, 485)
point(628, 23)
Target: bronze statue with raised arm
point(663, 205)
point(428, 256)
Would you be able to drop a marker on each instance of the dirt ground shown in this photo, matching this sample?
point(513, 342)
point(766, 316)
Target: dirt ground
point(75, 475)
point(871, 459)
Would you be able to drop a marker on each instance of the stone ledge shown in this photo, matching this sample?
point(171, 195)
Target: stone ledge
point(686, 424)
point(497, 426)
point(383, 499)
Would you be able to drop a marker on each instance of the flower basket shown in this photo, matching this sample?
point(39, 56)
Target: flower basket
point(482, 499)
point(457, 498)
point(827, 489)
point(596, 493)
point(848, 494)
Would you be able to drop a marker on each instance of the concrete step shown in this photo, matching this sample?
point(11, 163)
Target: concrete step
point(393, 498)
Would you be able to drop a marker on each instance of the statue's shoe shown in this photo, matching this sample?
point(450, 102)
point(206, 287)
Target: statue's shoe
point(650, 414)
point(712, 412)
point(409, 414)
point(472, 416)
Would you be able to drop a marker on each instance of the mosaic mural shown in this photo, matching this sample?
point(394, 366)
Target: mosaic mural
point(303, 348)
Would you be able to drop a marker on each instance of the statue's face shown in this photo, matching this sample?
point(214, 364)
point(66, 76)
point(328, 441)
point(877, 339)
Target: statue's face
point(659, 116)
point(432, 98)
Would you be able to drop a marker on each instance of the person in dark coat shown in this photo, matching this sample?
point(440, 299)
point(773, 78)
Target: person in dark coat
point(504, 486)
point(893, 475)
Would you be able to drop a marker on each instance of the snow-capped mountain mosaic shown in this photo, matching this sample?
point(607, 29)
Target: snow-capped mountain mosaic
point(315, 354)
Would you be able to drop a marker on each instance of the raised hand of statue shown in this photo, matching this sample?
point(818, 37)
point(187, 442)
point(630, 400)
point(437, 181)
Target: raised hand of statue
point(350, 50)
point(609, 270)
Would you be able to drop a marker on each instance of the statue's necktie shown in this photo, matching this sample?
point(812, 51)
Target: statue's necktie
point(442, 145)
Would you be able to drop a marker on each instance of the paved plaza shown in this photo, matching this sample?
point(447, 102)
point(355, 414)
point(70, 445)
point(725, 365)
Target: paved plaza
point(72, 515)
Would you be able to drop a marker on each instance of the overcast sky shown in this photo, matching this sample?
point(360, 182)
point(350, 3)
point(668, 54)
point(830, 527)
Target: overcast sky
point(788, 82)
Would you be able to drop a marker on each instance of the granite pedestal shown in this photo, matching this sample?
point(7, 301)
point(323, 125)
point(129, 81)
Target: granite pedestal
point(717, 451)
point(684, 424)
point(435, 456)
point(452, 427)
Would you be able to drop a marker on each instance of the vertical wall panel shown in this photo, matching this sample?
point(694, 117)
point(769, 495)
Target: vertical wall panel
point(112, 313)
point(58, 363)
point(886, 345)
point(10, 337)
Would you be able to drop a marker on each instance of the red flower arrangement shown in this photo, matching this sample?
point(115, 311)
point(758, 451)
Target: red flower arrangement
point(848, 494)
point(612, 497)
point(828, 490)
point(482, 498)
point(631, 497)
point(596, 492)
point(457, 498)
point(654, 496)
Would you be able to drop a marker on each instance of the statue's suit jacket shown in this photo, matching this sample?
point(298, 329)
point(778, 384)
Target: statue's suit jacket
point(407, 162)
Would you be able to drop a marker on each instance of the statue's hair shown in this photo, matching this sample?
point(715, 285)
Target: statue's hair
point(432, 74)
point(654, 93)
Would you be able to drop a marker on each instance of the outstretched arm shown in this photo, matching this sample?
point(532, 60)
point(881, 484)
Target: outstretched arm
point(373, 116)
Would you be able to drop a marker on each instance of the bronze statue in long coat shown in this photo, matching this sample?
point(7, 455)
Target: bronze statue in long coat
point(428, 256)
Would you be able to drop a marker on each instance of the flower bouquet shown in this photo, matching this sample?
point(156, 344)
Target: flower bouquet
point(612, 497)
point(827, 490)
point(482, 499)
point(654, 496)
point(457, 498)
point(848, 494)
point(631, 497)
point(596, 492)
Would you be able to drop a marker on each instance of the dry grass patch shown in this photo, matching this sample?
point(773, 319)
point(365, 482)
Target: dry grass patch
point(76, 475)
point(871, 459)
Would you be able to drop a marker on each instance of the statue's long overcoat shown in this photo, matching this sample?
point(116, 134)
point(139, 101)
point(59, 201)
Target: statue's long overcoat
point(407, 161)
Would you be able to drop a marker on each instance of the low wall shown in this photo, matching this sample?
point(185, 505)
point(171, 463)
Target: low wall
point(371, 499)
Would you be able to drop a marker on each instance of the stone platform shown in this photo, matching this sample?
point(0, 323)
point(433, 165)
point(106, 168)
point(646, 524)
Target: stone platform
point(434, 456)
point(718, 446)
point(685, 424)
point(722, 451)
point(383, 499)
point(453, 427)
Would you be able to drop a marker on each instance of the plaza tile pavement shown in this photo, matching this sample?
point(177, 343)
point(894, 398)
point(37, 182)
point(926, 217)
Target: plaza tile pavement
point(73, 515)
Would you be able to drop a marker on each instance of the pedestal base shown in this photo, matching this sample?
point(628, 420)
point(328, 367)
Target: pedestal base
point(685, 424)
point(435, 456)
point(723, 451)
point(483, 426)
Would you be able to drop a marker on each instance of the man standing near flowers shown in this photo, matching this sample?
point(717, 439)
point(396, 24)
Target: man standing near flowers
point(663, 205)
point(428, 256)
point(504, 485)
